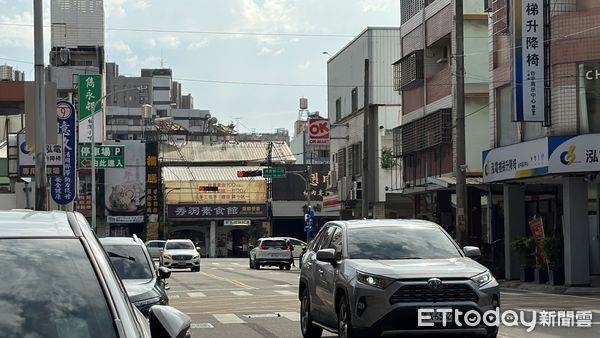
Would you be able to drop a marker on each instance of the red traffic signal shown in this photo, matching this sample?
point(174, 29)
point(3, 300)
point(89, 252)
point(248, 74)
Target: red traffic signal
point(249, 173)
point(208, 188)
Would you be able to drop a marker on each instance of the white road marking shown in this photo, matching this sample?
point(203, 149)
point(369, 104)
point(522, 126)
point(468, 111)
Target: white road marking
point(228, 318)
point(225, 268)
point(196, 294)
point(261, 315)
point(235, 263)
point(202, 326)
point(214, 263)
point(241, 293)
point(286, 292)
point(285, 286)
point(293, 316)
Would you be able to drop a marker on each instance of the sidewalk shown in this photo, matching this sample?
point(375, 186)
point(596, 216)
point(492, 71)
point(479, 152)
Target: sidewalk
point(594, 287)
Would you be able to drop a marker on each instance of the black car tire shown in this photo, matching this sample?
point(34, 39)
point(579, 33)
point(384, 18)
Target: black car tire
point(256, 265)
point(281, 267)
point(250, 265)
point(345, 329)
point(195, 269)
point(288, 267)
point(309, 330)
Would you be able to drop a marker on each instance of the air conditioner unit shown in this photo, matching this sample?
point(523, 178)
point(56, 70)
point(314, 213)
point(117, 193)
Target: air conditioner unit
point(333, 182)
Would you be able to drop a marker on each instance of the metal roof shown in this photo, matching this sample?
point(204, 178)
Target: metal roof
point(197, 152)
point(186, 174)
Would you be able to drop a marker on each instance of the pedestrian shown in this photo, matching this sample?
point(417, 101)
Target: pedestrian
point(291, 248)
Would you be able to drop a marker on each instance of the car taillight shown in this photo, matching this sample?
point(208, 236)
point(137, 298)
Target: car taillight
point(260, 247)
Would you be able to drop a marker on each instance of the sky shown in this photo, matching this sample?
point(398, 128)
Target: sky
point(236, 73)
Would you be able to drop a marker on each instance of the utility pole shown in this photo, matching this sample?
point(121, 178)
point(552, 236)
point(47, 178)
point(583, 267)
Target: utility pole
point(459, 170)
point(41, 197)
point(308, 190)
point(365, 150)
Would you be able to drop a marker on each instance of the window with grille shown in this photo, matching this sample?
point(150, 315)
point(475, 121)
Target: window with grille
point(410, 8)
point(338, 109)
point(429, 131)
point(341, 162)
point(411, 70)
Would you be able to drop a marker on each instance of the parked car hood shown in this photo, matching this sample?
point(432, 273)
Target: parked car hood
point(181, 252)
point(140, 289)
point(420, 268)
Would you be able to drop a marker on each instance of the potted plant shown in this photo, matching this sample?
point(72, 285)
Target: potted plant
point(552, 250)
point(525, 248)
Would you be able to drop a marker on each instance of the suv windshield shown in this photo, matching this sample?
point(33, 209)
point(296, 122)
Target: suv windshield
point(49, 289)
point(274, 244)
point(402, 242)
point(180, 246)
point(129, 261)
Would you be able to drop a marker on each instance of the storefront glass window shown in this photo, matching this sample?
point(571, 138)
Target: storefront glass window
point(588, 98)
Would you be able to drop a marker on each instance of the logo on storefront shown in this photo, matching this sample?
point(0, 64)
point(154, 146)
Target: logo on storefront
point(568, 157)
point(487, 167)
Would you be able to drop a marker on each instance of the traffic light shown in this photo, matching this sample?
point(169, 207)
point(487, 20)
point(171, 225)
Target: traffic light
point(204, 188)
point(249, 173)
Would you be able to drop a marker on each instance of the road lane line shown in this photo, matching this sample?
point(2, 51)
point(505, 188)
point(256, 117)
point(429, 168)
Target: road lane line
point(228, 318)
point(234, 282)
point(285, 292)
point(293, 316)
point(235, 264)
point(196, 294)
point(241, 293)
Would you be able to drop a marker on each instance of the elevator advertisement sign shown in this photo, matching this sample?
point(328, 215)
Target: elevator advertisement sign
point(521, 160)
point(529, 59)
point(318, 131)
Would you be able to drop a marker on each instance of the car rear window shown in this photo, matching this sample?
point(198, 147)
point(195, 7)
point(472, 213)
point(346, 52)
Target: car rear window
point(402, 242)
point(49, 289)
point(129, 261)
point(273, 244)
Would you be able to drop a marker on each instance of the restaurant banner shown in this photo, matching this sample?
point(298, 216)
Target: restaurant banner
point(537, 231)
point(216, 211)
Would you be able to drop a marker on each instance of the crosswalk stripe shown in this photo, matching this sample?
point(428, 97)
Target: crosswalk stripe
point(235, 263)
point(196, 294)
point(286, 292)
point(215, 263)
point(225, 268)
point(241, 293)
point(228, 318)
point(293, 316)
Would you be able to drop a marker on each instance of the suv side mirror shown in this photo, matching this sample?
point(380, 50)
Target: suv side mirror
point(326, 255)
point(251, 246)
point(198, 249)
point(472, 252)
point(164, 273)
point(166, 321)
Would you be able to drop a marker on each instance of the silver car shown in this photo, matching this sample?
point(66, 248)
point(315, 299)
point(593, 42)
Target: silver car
point(155, 248)
point(376, 277)
point(180, 254)
point(271, 251)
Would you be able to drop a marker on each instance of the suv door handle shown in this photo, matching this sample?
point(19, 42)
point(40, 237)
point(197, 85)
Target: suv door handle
point(321, 271)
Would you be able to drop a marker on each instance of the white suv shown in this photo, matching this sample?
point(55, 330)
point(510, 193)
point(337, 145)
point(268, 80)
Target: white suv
point(272, 251)
point(180, 253)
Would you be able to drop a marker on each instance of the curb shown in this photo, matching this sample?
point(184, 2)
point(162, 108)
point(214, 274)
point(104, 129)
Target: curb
point(556, 289)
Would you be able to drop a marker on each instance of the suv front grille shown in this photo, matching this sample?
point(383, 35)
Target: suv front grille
point(182, 257)
point(424, 294)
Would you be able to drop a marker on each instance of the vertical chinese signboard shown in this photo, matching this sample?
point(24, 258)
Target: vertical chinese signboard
point(529, 60)
point(63, 186)
point(90, 91)
point(537, 231)
point(152, 178)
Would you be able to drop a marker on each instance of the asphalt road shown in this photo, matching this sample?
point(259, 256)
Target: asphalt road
point(228, 299)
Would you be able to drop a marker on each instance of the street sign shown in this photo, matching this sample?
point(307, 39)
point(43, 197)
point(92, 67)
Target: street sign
point(276, 172)
point(90, 91)
point(63, 187)
point(106, 156)
point(239, 222)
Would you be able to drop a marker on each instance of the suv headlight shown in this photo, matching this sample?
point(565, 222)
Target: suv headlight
point(167, 256)
point(196, 257)
point(374, 281)
point(483, 278)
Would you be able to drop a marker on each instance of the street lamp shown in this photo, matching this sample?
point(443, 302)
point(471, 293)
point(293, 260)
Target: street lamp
point(93, 148)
